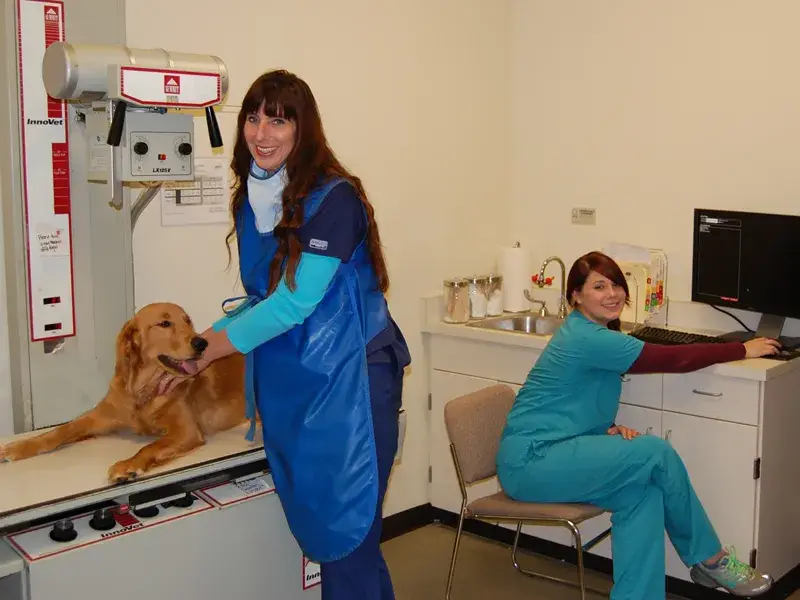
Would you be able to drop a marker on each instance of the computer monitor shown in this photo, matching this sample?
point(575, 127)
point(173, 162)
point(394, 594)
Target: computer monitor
point(750, 261)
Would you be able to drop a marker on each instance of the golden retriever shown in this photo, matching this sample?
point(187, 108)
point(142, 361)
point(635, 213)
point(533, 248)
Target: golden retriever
point(151, 343)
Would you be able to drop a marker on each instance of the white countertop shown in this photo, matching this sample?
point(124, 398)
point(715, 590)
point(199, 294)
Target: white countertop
point(759, 369)
point(76, 474)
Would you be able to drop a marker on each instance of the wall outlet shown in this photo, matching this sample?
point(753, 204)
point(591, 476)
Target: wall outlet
point(584, 216)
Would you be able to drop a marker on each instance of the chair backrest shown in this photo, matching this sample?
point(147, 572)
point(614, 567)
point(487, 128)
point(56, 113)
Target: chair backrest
point(474, 425)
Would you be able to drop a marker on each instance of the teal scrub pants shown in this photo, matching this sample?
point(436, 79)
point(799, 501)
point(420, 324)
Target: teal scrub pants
point(643, 483)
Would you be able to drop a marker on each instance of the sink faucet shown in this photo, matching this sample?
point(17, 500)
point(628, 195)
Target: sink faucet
point(562, 307)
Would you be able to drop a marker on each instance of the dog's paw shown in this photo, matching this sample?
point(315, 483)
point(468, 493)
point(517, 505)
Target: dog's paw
point(18, 451)
point(123, 471)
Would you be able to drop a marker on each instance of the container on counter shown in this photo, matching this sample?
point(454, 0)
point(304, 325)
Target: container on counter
point(494, 293)
point(478, 296)
point(456, 300)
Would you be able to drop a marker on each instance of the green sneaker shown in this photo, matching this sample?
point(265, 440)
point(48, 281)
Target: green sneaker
point(732, 575)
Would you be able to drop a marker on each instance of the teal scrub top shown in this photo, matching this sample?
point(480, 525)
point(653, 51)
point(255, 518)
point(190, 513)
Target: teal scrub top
point(572, 390)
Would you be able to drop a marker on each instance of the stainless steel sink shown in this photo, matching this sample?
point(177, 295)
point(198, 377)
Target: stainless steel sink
point(520, 323)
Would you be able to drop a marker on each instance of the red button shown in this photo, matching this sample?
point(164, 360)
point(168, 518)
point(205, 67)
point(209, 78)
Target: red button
point(162, 157)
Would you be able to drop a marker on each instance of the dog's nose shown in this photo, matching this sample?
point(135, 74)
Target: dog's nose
point(199, 344)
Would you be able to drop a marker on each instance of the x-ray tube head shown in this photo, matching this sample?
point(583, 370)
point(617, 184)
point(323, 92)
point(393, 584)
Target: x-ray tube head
point(80, 71)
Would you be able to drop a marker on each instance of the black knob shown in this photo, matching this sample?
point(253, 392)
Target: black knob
point(140, 148)
point(63, 531)
point(185, 148)
point(184, 502)
point(146, 512)
point(103, 520)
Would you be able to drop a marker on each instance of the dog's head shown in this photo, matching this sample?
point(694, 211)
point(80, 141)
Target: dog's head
point(159, 337)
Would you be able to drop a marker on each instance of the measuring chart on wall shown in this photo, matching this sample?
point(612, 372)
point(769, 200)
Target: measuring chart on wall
point(200, 202)
point(45, 176)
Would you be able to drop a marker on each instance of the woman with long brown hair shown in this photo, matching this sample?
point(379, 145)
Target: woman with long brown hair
point(325, 359)
point(561, 442)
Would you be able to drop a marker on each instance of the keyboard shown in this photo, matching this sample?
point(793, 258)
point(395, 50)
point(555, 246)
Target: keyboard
point(657, 335)
point(669, 337)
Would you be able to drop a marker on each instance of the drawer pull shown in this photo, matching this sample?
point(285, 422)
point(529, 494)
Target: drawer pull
point(625, 379)
point(668, 435)
point(714, 394)
point(648, 431)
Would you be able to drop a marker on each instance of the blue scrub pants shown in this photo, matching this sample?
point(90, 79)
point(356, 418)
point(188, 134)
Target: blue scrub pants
point(363, 574)
point(644, 483)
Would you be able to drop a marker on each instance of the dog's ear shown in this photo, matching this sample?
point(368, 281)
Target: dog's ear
point(129, 347)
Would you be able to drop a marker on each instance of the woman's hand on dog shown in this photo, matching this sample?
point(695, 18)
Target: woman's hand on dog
point(218, 347)
point(169, 381)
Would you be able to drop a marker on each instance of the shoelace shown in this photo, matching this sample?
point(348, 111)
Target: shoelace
point(741, 570)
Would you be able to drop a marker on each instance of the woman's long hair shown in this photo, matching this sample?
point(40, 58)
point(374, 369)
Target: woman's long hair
point(311, 161)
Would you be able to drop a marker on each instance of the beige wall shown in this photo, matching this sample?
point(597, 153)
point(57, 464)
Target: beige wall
point(414, 97)
point(646, 110)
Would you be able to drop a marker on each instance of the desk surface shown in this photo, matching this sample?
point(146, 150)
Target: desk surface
point(76, 475)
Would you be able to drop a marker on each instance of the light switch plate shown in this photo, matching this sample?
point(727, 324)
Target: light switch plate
point(584, 216)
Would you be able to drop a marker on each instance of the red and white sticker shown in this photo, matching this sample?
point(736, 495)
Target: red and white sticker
point(45, 175)
point(167, 87)
point(312, 574)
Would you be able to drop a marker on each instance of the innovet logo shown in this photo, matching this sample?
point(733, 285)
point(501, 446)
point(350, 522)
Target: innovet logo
point(51, 14)
point(58, 122)
point(172, 84)
point(120, 531)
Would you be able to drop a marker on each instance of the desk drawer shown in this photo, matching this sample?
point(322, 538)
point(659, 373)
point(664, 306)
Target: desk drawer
point(642, 390)
point(712, 396)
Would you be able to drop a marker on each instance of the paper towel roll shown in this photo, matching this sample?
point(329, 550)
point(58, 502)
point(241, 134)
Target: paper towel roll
point(515, 267)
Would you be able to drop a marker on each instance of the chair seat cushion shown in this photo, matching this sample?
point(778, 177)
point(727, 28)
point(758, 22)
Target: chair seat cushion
point(500, 505)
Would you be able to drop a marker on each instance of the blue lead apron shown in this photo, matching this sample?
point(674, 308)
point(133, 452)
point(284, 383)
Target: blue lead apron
point(312, 392)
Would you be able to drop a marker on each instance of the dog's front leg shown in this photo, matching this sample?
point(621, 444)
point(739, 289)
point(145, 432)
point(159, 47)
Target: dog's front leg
point(181, 436)
point(102, 419)
point(163, 450)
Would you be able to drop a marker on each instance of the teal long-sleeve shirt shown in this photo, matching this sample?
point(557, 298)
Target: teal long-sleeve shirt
point(283, 309)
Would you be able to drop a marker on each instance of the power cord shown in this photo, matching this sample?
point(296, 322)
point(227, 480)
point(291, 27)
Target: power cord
point(732, 316)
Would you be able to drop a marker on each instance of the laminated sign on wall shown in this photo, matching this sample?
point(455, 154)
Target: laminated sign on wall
point(45, 175)
point(312, 575)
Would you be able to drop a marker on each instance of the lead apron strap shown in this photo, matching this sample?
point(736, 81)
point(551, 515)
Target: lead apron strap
point(249, 364)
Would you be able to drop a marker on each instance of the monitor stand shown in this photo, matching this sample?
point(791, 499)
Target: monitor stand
point(770, 326)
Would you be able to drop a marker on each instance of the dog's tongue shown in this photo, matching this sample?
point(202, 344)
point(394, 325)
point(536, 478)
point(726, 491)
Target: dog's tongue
point(190, 366)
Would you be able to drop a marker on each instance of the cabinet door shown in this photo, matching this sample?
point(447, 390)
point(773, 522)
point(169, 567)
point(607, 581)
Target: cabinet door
point(444, 490)
point(719, 458)
point(643, 420)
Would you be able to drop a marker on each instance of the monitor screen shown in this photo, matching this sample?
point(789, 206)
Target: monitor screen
point(747, 260)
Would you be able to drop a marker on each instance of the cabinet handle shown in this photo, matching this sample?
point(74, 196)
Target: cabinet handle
point(648, 431)
point(625, 379)
point(668, 435)
point(702, 393)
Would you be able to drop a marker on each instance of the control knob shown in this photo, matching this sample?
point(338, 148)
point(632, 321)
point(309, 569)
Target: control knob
point(185, 149)
point(140, 148)
point(103, 520)
point(63, 531)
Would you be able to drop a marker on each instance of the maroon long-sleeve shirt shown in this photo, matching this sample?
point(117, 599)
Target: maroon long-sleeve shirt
point(656, 358)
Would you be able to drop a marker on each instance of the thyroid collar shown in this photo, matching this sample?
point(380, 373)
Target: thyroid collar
point(264, 192)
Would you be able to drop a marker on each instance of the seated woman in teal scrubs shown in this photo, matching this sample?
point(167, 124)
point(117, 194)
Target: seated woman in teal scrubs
point(561, 443)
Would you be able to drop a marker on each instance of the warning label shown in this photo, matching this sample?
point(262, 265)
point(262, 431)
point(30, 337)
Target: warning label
point(172, 84)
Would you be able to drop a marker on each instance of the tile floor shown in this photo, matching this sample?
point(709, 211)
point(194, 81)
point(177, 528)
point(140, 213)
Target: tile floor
point(419, 562)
